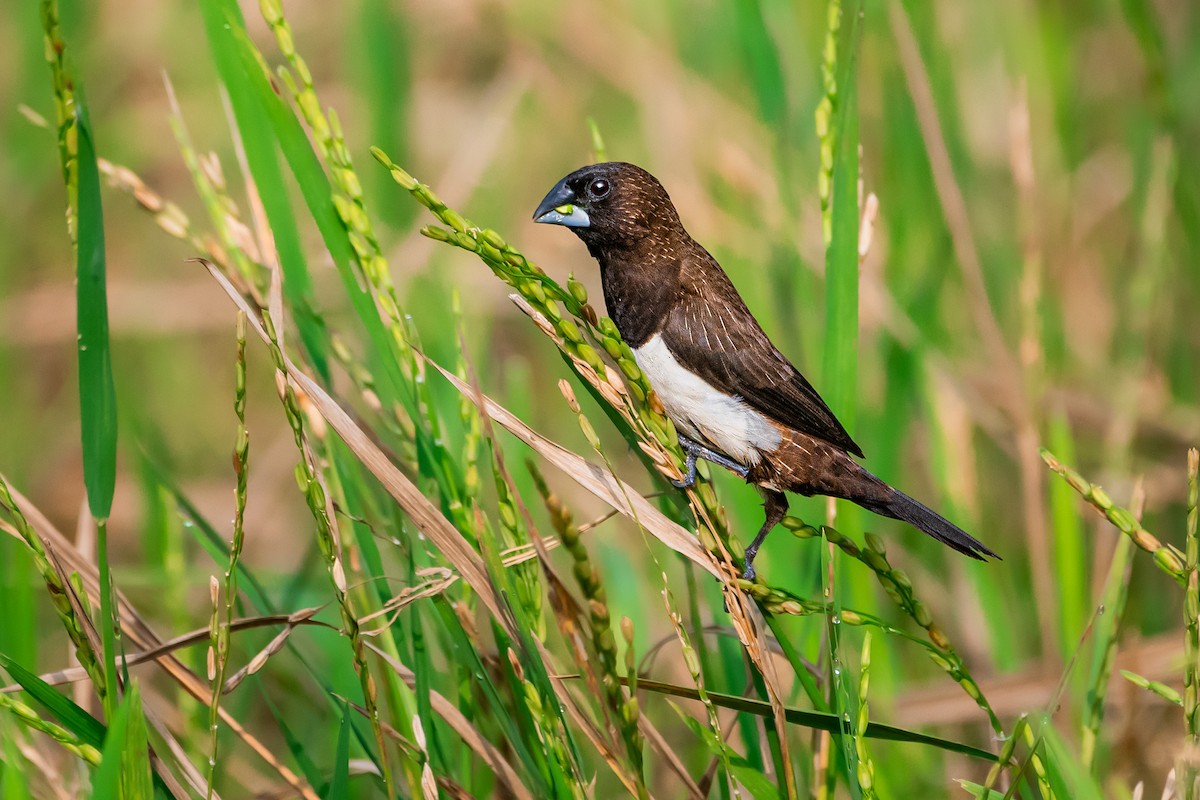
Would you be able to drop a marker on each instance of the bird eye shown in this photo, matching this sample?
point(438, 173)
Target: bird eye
point(599, 188)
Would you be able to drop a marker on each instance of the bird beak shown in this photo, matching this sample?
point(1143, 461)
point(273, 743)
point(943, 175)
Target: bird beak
point(558, 208)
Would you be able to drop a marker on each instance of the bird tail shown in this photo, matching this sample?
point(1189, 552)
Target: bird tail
point(898, 505)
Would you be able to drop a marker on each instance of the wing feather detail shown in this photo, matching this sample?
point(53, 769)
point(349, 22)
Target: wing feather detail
point(711, 331)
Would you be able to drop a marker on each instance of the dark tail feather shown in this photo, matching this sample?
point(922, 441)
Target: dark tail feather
point(898, 505)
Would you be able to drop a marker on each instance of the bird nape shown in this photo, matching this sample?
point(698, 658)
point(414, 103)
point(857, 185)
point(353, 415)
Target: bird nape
point(734, 398)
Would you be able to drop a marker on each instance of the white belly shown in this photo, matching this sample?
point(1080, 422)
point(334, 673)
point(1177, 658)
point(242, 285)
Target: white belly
point(703, 412)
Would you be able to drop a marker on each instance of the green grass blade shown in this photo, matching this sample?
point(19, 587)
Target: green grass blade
point(981, 792)
point(1116, 590)
point(1070, 553)
point(762, 62)
point(755, 782)
point(383, 40)
point(317, 193)
point(339, 784)
point(97, 394)
point(466, 653)
point(79, 722)
point(136, 783)
point(818, 720)
point(838, 123)
point(262, 158)
point(18, 634)
point(839, 374)
point(124, 773)
point(1068, 772)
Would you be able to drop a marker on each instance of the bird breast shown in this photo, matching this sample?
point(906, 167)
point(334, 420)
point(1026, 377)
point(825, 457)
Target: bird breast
point(703, 412)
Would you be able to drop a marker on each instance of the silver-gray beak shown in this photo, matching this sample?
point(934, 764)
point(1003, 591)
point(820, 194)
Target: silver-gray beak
point(558, 208)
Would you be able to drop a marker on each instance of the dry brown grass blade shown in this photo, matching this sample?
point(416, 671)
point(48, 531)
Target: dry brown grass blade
point(135, 629)
point(293, 620)
point(430, 587)
point(424, 514)
point(593, 477)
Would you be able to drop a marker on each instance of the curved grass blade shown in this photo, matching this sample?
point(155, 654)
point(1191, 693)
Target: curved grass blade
point(819, 720)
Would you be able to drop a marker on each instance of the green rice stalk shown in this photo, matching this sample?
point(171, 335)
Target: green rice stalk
point(899, 588)
point(1168, 693)
point(312, 487)
point(469, 414)
point(550, 731)
point(691, 661)
point(1007, 750)
point(30, 718)
point(866, 768)
point(348, 197)
point(1168, 558)
point(839, 182)
point(526, 576)
point(219, 653)
point(58, 590)
point(622, 708)
point(631, 710)
point(625, 708)
point(826, 115)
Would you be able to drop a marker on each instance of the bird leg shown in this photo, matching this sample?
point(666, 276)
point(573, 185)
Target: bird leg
point(696, 450)
point(776, 506)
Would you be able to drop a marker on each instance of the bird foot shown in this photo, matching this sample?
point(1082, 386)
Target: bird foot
point(689, 478)
point(749, 573)
point(695, 451)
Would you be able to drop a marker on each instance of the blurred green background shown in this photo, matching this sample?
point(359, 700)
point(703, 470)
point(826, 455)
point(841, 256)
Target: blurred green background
point(1031, 281)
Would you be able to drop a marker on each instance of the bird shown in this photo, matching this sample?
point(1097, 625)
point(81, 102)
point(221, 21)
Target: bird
point(734, 398)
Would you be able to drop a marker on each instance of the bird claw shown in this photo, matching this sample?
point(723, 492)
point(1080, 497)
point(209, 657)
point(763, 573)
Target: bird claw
point(689, 478)
point(749, 573)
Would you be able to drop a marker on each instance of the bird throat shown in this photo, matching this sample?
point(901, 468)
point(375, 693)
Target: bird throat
point(638, 294)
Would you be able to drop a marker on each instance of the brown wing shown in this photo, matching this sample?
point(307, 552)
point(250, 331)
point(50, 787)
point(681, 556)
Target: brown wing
point(711, 332)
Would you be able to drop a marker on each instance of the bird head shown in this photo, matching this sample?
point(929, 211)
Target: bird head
point(608, 205)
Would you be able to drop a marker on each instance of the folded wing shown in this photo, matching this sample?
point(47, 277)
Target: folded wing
point(710, 330)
